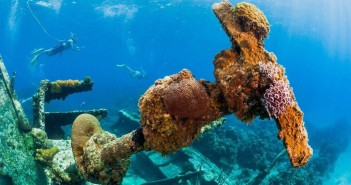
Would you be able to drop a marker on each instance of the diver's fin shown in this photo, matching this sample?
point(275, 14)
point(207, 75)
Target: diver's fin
point(36, 51)
point(34, 60)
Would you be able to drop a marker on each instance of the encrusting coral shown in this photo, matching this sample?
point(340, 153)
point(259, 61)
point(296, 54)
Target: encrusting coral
point(168, 119)
point(60, 89)
point(58, 85)
point(40, 139)
point(84, 126)
point(98, 154)
point(249, 83)
point(184, 98)
point(252, 82)
point(46, 156)
point(250, 19)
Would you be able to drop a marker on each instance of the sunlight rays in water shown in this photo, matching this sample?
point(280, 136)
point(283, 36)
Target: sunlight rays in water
point(326, 21)
point(338, 27)
point(13, 18)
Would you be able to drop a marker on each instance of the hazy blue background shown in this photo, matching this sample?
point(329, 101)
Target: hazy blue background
point(310, 38)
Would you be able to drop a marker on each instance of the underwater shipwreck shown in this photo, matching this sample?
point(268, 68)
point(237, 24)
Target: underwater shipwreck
point(179, 134)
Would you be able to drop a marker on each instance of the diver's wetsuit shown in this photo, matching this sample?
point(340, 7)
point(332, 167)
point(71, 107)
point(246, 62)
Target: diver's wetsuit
point(58, 48)
point(68, 44)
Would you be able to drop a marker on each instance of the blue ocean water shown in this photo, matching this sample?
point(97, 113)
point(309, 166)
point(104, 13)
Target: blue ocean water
point(311, 39)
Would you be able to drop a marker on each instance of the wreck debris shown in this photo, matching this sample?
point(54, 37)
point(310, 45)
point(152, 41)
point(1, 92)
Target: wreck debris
point(12, 83)
point(127, 122)
point(55, 120)
point(175, 179)
point(16, 150)
point(59, 89)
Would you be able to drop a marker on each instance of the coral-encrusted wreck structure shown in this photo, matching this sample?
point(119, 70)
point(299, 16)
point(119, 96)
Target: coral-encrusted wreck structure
point(17, 164)
point(252, 82)
point(249, 83)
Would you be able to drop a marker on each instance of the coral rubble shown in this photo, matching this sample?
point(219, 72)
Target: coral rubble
point(249, 83)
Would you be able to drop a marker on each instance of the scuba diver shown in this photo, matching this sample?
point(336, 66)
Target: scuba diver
point(134, 73)
point(68, 44)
